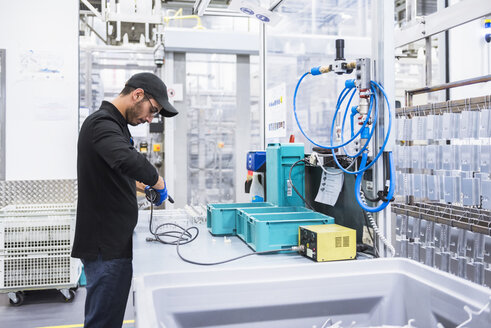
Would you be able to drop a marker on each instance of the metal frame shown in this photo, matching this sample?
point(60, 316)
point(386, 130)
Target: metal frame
point(3, 111)
point(445, 19)
point(243, 125)
point(179, 129)
point(445, 86)
point(475, 220)
point(383, 72)
point(112, 15)
point(263, 74)
point(222, 42)
point(200, 6)
point(454, 106)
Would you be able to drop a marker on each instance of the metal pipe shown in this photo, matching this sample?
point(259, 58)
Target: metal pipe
point(411, 93)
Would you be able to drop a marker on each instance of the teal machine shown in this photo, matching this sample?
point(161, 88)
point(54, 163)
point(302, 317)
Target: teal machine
point(272, 224)
point(279, 159)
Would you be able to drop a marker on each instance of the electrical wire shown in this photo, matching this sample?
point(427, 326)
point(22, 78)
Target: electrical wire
point(175, 234)
point(186, 236)
point(316, 155)
point(293, 186)
point(274, 251)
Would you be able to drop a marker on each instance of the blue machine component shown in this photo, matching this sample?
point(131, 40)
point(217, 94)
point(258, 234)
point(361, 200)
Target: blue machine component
point(279, 159)
point(315, 70)
point(256, 161)
point(350, 84)
point(365, 133)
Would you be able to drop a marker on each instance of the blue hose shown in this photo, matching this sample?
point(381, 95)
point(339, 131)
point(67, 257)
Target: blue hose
point(363, 166)
point(390, 194)
point(386, 139)
point(340, 100)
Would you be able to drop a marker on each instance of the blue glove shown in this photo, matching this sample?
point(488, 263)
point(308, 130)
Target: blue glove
point(156, 196)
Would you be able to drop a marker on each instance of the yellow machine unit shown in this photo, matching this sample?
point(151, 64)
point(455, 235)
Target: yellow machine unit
point(327, 242)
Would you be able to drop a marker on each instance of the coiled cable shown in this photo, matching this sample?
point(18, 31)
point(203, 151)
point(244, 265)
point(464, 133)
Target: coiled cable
point(375, 227)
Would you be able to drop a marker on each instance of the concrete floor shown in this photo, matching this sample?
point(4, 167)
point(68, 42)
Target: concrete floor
point(46, 308)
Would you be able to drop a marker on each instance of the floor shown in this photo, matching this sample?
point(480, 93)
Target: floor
point(47, 309)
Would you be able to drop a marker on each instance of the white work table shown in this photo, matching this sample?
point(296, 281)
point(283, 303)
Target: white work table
point(289, 290)
point(151, 257)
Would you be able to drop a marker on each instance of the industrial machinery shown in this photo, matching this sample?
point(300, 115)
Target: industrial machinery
point(366, 115)
point(328, 242)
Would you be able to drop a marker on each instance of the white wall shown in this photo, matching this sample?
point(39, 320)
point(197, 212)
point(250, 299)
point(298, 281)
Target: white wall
point(469, 56)
point(41, 40)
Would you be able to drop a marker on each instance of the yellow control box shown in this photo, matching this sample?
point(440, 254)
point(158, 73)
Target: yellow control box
point(327, 242)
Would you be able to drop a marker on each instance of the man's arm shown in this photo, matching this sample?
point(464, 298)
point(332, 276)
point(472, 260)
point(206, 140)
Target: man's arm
point(159, 185)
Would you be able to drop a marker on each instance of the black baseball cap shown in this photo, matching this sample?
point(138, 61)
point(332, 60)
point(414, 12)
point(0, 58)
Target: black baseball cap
point(153, 85)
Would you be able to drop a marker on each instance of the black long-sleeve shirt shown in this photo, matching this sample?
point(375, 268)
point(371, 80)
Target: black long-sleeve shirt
point(107, 167)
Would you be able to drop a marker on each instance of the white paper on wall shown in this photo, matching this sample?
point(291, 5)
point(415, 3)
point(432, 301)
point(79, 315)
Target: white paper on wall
point(330, 186)
point(275, 115)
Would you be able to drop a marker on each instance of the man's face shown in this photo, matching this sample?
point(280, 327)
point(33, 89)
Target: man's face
point(142, 111)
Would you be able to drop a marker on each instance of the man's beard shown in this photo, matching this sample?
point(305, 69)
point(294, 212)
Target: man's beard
point(133, 112)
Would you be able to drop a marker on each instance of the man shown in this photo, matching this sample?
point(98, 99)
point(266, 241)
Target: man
point(110, 170)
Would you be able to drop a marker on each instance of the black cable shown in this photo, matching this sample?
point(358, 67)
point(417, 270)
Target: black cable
point(169, 234)
point(185, 235)
point(274, 251)
point(294, 188)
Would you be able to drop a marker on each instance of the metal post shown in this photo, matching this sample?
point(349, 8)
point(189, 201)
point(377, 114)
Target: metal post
point(3, 112)
point(178, 159)
point(428, 62)
point(383, 72)
point(243, 125)
point(88, 80)
point(262, 72)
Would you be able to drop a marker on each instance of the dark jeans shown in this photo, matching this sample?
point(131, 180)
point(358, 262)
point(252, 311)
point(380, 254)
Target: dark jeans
point(108, 286)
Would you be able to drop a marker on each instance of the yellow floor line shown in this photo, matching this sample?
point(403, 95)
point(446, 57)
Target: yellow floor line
point(81, 325)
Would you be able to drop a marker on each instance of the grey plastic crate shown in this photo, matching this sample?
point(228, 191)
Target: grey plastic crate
point(369, 292)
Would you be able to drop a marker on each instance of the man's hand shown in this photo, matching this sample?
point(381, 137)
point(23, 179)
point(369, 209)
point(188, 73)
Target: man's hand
point(156, 196)
point(140, 186)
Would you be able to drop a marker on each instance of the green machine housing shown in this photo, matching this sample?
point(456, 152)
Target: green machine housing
point(279, 158)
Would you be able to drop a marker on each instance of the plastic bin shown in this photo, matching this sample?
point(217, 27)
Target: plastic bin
point(388, 292)
point(265, 232)
point(244, 214)
point(220, 218)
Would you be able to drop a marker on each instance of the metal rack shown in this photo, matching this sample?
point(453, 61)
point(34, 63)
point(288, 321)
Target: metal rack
point(35, 247)
point(451, 238)
point(446, 147)
point(450, 106)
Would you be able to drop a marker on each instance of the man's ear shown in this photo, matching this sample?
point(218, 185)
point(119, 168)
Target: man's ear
point(137, 94)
